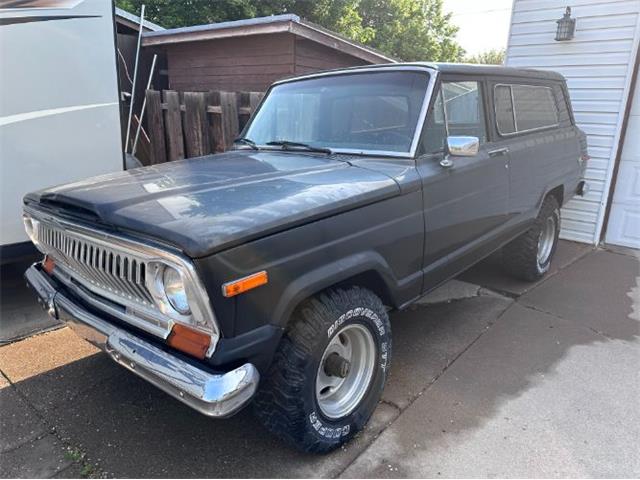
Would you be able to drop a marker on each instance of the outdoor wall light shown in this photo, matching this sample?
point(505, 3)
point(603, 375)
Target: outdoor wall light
point(566, 27)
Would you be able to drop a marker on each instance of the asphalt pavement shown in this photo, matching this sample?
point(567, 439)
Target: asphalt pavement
point(20, 316)
point(490, 378)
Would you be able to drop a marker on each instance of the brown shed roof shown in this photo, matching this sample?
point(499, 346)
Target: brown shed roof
point(265, 25)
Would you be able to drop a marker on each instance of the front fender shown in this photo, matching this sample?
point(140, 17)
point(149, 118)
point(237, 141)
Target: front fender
point(330, 274)
point(385, 238)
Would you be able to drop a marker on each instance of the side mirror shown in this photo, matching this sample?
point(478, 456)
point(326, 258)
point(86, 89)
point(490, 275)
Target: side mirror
point(463, 146)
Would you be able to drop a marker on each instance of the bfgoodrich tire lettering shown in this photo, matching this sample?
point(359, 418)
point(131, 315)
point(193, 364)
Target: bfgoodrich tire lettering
point(528, 257)
point(287, 403)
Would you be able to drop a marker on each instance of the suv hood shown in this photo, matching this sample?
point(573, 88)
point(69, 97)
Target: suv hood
point(206, 204)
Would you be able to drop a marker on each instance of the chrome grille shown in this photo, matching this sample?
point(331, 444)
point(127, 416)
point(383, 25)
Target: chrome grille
point(96, 266)
point(121, 275)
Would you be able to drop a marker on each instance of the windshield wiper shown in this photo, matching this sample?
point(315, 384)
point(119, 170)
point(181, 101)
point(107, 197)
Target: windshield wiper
point(246, 141)
point(287, 145)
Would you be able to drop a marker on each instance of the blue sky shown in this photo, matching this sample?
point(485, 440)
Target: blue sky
point(484, 24)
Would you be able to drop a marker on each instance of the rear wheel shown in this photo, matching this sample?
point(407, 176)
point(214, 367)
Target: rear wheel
point(329, 370)
point(528, 257)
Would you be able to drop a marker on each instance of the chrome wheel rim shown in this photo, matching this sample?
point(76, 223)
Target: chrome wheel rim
point(546, 240)
point(338, 396)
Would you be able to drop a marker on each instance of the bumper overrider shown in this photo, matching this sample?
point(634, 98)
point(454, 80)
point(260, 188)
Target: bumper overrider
point(215, 395)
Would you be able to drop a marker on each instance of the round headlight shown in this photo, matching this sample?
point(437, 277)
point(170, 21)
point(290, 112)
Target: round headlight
point(175, 291)
point(29, 227)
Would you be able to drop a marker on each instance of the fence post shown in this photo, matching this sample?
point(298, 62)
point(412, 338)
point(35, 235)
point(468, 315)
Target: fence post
point(173, 126)
point(215, 126)
point(254, 100)
point(230, 125)
point(156, 127)
point(196, 132)
point(190, 124)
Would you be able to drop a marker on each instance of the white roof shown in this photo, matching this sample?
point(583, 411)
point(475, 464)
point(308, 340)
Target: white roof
point(135, 19)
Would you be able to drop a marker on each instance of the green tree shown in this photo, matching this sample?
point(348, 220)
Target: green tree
point(182, 13)
point(490, 57)
point(410, 30)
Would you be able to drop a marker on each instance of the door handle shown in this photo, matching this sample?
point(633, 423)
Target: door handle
point(498, 151)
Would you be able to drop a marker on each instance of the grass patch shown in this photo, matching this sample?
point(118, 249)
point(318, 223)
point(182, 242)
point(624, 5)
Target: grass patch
point(74, 454)
point(87, 470)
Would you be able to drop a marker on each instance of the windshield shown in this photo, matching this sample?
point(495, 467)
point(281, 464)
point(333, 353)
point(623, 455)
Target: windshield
point(371, 111)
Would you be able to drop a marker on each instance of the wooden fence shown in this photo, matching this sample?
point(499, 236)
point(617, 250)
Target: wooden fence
point(191, 124)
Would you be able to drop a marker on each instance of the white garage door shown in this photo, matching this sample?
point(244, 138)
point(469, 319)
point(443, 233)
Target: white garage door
point(624, 219)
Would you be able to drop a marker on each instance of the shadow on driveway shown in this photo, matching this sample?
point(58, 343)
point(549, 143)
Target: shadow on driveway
point(20, 315)
point(550, 391)
point(501, 349)
point(131, 429)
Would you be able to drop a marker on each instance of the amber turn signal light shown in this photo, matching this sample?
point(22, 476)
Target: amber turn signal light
point(48, 264)
point(189, 341)
point(237, 287)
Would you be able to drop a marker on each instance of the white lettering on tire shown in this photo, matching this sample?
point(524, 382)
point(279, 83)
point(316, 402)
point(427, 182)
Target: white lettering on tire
point(327, 432)
point(384, 356)
point(357, 312)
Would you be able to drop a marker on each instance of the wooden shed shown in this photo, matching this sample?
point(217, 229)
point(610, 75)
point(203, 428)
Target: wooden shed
point(251, 54)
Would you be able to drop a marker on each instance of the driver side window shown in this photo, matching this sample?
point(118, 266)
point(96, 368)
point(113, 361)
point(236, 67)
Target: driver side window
point(464, 110)
point(434, 136)
point(457, 111)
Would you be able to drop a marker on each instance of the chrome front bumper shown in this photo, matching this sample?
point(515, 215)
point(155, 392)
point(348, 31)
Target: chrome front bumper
point(215, 395)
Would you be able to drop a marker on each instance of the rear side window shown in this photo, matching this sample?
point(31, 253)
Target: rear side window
point(504, 109)
point(521, 108)
point(564, 108)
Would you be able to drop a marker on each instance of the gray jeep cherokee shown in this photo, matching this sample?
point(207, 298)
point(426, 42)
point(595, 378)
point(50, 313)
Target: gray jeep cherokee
point(264, 275)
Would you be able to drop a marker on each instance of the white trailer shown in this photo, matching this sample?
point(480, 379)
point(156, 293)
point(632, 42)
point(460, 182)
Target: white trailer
point(59, 102)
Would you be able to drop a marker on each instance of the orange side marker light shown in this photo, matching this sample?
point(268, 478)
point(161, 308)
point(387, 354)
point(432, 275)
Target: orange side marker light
point(237, 287)
point(189, 341)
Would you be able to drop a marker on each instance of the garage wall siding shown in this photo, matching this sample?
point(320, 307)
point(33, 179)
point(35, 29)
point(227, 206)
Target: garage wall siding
point(312, 57)
point(597, 64)
point(248, 63)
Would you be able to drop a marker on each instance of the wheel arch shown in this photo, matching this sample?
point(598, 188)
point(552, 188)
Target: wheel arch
point(557, 192)
point(368, 270)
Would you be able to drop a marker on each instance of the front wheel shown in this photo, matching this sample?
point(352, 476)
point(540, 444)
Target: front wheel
point(528, 257)
point(329, 371)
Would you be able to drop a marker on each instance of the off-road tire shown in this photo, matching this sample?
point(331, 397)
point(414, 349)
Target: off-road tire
point(520, 256)
point(286, 401)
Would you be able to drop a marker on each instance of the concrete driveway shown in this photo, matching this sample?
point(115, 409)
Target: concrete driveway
point(490, 378)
